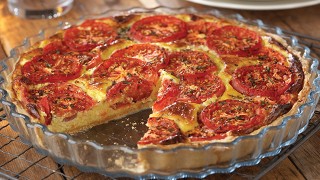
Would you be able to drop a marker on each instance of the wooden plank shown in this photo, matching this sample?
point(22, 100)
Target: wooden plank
point(307, 157)
point(72, 172)
point(285, 170)
point(303, 20)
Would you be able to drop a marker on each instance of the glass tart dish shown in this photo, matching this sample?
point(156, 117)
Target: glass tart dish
point(111, 148)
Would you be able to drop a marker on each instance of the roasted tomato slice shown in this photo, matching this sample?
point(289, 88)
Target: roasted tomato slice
point(154, 55)
point(161, 131)
point(67, 100)
point(270, 55)
point(159, 28)
point(129, 91)
point(89, 35)
point(52, 68)
point(192, 90)
point(198, 30)
point(257, 80)
point(61, 99)
point(167, 95)
point(198, 90)
point(234, 40)
point(233, 115)
point(265, 56)
point(190, 63)
point(202, 133)
point(90, 59)
point(44, 106)
point(55, 47)
point(119, 69)
point(37, 99)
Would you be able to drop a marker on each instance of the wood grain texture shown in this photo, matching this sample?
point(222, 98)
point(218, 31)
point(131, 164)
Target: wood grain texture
point(285, 170)
point(304, 163)
point(307, 157)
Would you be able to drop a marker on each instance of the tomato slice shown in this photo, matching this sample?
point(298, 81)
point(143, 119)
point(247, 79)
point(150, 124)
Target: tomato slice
point(119, 69)
point(233, 115)
point(60, 99)
point(159, 28)
point(201, 26)
point(161, 131)
point(257, 80)
point(35, 100)
point(44, 105)
point(154, 55)
point(129, 91)
point(234, 40)
point(167, 95)
point(89, 59)
point(52, 68)
point(198, 30)
point(190, 63)
point(192, 90)
point(270, 55)
point(89, 35)
point(265, 55)
point(55, 47)
point(67, 100)
point(204, 134)
point(198, 90)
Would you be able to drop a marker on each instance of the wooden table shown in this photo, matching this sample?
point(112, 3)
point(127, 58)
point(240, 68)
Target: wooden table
point(304, 163)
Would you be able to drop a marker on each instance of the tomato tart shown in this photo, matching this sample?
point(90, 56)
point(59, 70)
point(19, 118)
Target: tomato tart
point(206, 79)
